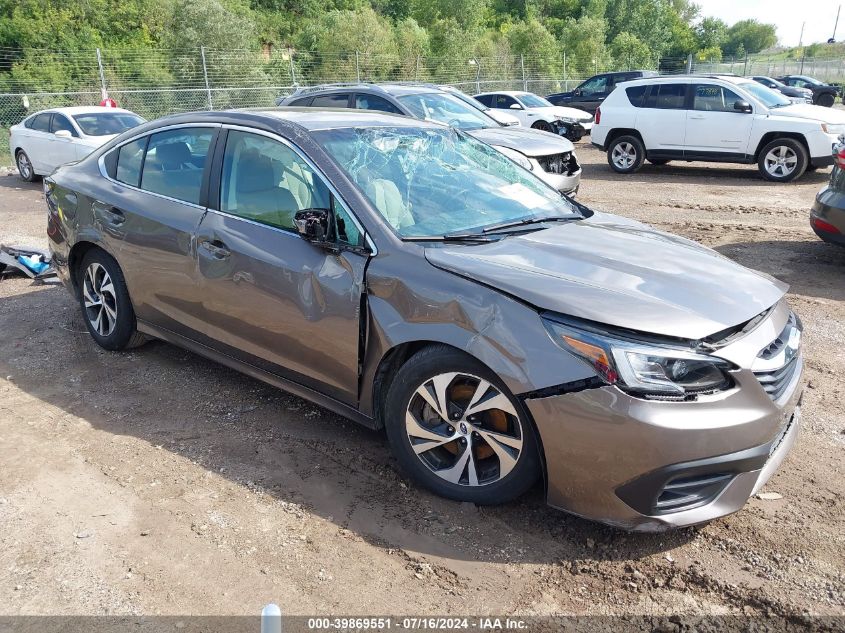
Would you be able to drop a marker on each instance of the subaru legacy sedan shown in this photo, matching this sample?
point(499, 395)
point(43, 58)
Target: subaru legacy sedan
point(412, 278)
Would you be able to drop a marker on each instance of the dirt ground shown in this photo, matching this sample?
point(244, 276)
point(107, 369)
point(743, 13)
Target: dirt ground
point(156, 482)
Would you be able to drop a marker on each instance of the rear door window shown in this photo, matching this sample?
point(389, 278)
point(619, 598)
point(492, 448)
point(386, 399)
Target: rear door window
point(41, 123)
point(175, 162)
point(485, 100)
point(667, 96)
point(331, 101)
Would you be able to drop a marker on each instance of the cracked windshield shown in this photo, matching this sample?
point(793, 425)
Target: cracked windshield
point(440, 182)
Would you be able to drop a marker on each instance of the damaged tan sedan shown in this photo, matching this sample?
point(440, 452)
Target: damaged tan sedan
point(412, 278)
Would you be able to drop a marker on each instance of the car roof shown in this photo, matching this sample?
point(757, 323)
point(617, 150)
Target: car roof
point(73, 110)
point(310, 119)
point(394, 89)
point(734, 79)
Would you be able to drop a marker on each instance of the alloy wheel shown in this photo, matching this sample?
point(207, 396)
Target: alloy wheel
point(464, 429)
point(98, 293)
point(780, 161)
point(624, 155)
point(24, 166)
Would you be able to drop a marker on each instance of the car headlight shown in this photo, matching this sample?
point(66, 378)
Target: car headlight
point(834, 128)
point(565, 119)
point(519, 159)
point(644, 369)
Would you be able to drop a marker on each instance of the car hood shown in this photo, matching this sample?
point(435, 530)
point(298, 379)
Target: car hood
point(569, 113)
point(524, 140)
point(809, 111)
point(620, 273)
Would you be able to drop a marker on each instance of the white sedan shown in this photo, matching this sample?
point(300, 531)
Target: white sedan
point(534, 111)
point(47, 139)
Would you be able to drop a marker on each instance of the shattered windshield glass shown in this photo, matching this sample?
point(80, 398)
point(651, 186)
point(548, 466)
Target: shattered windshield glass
point(448, 109)
point(429, 182)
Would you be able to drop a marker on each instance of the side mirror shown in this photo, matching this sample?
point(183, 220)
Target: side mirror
point(576, 92)
point(515, 106)
point(743, 106)
point(312, 224)
point(62, 134)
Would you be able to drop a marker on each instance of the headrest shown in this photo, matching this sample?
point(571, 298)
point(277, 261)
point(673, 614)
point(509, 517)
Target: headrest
point(173, 155)
point(255, 173)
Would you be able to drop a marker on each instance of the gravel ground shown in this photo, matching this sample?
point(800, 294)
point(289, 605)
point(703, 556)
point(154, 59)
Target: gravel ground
point(156, 482)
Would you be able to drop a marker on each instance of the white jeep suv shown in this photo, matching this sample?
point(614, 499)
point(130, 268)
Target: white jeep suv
point(714, 118)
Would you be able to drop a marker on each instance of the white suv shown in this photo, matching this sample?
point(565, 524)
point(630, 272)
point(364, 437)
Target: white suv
point(714, 118)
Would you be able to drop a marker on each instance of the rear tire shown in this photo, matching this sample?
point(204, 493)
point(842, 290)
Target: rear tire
point(625, 154)
point(826, 100)
point(25, 168)
point(456, 430)
point(104, 300)
point(783, 160)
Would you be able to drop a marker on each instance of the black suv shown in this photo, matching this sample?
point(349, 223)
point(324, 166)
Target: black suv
point(823, 94)
point(589, 95)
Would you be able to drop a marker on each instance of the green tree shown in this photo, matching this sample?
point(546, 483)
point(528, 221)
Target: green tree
point(538, 46)
point(585, 47)
point(711, 33)
point(751, 35)
point(629, 52)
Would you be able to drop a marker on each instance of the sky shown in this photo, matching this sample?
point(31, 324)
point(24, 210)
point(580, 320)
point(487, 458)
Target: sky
point(787, 15)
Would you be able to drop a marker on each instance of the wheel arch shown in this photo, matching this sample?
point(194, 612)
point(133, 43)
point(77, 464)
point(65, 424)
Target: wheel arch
point(397, 356)
point(76, 255)
point(768, 137)
point(623, 131)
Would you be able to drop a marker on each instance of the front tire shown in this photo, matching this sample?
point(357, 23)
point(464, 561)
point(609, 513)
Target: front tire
point(626, 154)
point(456, 430)
point(783, 160)
point(104, 299)
point(25, 168)
point(542, 126)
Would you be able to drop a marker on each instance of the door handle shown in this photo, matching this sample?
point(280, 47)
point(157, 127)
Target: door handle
point(696, 116)
point(109, 214)
point(215, 248)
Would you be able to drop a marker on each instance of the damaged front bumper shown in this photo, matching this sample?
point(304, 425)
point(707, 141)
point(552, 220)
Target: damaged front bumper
point(559, 171)
point(649, 465)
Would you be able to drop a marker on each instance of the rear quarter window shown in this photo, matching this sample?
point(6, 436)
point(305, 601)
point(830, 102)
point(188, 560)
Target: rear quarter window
point(636, 95)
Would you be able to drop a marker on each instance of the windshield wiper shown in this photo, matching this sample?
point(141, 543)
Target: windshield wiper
point(451, 237)
point(512, 223)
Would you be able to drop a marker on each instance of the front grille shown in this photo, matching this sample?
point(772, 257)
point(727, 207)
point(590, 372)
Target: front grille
point(558, 163)
point(775, 347)
point(688, 492)
point(779, 360)
point(776, 381)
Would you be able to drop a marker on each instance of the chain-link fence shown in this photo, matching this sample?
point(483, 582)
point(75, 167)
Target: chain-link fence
point(155, 82)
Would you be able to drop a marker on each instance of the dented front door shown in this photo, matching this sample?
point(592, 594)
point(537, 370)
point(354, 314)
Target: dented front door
point(278, 302)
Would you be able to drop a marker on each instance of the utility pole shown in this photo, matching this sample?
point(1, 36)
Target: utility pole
point(801, 37)
point(835, 24)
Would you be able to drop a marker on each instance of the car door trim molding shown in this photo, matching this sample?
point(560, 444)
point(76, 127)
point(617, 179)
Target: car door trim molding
point(296, 150)
point(102, 159)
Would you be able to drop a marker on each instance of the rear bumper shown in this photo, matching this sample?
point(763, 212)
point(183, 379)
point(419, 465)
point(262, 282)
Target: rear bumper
point(619, 460)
